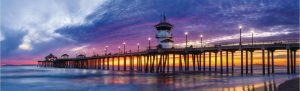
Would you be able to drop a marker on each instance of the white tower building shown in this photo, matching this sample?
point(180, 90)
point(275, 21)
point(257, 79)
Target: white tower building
point(163, 34)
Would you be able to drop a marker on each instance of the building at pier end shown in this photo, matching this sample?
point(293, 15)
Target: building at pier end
point(164, 34)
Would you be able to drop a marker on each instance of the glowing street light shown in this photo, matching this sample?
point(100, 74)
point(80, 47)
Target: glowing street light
point(252, 33)
point(138, 45)
point(186, 34)
point(119, 47)
point(201, 36)
point(240, 27)
point(124, 43)
point(106, 49)
point(149, 39)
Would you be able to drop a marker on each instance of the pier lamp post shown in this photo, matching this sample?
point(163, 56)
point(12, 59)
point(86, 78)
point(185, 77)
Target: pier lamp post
point(119, 49)
point(149, 39)
point(124, 43)
point(85, 52)
point(201, 36)
point(240, 27)
point(106, 50)
point(252, 33)
point(138, 45)
point(242, 70)
point(186, 34)
point(94, 52)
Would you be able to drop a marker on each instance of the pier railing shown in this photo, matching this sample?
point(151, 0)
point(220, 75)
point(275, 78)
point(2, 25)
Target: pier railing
point(214, 45)
point(228, 45)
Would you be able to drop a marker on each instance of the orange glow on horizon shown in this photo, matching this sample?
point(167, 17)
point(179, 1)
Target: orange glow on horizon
point(19, 63)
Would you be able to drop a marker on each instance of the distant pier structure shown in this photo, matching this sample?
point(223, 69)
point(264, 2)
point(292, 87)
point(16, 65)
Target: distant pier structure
point(165, 58)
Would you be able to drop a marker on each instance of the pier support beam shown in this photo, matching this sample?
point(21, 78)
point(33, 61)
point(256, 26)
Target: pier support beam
point(140, 64)
point(137, 62)
point(247, 62)
point(204, 62)
point(98, 63)
point(291, 62)
point(118, 62)
point(185, 62)
point(124, 63)
point(159, 68)
point(152, 59)
point(173, 63)
point(209, 61)
point(288, 61)
point(227, 62)
point(251, 61)
point(188, 61)
point(194, 64)
point(103, 63)
point(232, 62)
point(180, 63)
point(272, 59)
point(146, 63)
point(263, 61)
point(216, 61)
point(221, 61)
point(242, 62)
point(168, 60)
point(131, 62)
point(200, 61)
point(107, 63)
point(113, 63)
point(95, 63)
point(295, 64)
point(268, 58)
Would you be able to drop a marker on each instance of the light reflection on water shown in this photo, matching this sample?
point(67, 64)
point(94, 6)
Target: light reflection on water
point(17, 78)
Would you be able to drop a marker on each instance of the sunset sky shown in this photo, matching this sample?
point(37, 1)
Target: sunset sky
point(31, 29)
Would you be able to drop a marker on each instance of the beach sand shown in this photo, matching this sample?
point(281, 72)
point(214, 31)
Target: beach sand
point(290, 85)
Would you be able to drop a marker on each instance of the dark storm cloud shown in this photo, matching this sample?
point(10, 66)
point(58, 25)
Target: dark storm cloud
point(11, 43)
point(219, 16)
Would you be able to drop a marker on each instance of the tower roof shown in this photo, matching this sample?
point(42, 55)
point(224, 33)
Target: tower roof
point(163, 23)
point(81, 55)
point(65, 55)
point(50, 56)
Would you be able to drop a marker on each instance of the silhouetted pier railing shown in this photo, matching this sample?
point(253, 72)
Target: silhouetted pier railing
point(181, 59)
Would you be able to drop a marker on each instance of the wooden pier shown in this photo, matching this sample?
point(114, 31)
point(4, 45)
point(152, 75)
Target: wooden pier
point(158, 60)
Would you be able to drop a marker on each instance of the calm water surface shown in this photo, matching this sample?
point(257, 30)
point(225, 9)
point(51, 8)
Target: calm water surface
point(32, 78)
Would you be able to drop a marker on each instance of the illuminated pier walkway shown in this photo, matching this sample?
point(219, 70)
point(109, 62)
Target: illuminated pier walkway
point(187, 59)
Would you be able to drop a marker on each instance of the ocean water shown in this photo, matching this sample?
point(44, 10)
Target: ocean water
point(32, 78)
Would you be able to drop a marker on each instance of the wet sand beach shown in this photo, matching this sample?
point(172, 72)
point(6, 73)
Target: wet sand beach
point(290, 85)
